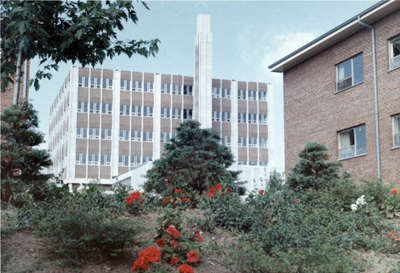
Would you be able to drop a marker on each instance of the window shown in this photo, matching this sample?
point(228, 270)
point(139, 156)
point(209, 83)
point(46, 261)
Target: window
point(242, 142)
point(176, 88)
point(135, 160)
point(215, 92)
point(136, 135)
point(80, 158)
point(165, 87)
point(262, 118)
point(164, 136)
point(241, 94)
point(226, 140)
point(94, 133)
point(164, 112)
point(81, 132)
point(106, 108)
point(263, 142)
point(105, 159)
point(396, 130)
point(136, 110)
point(176, 113)
point(252, 142)
point(147, 136)
point(394, 52)
point(262, 95)
point(188, 90)
point(124, 110)
point(107, 83)
point(147, 111)
point(187, 113)
point(352, 142)
point(123, 160)
point(124, 135)
point(105, 133)
point(349, 73)
point(126, 85)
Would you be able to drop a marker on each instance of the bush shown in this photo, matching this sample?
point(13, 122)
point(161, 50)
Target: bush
point(81, 235)
point(193, 162)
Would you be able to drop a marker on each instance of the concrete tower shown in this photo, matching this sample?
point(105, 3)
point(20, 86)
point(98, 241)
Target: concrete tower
point(203, 72)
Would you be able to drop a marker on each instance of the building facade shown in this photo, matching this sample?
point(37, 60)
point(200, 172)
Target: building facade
point(108, 123)
point(343, 90)
point(7, 96)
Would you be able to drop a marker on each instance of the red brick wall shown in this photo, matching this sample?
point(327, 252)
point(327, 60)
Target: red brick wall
point(314, 111)
point(7, 97)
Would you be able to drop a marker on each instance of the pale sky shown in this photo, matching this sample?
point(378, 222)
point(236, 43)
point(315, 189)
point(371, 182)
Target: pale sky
point(247, 37)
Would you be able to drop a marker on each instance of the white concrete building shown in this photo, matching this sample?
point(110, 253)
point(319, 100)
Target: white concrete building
point(108, 125)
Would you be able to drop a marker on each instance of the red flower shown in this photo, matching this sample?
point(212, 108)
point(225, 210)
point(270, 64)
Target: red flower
point(218, 187)
point(185, 199)
point(211, 195)
point(140, 264)
point(192, 256)
point(164, 201)
point(185, 269)
point(174, 260)
point(178, 190)
point(198, 236)
point(261, 192)
point(212, 190)
point(151, 254)
point(297, 200)
point(228, 188)
point(395, 192)
point(397, 238)
point(391, 233)
point(173, 232)
point(132, 197)
point(160, 242)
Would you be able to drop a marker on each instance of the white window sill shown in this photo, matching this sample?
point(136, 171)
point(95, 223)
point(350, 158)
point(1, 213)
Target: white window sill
point(347, 88)
point(395, 148)
point(350, 157)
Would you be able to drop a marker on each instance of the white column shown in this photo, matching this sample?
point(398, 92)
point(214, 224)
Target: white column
point(234, 121)
point(203, 72)
point(115, 123)
point(73, 102)
point(156, 116)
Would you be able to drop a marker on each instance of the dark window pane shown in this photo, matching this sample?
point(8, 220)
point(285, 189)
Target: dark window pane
point(358, 69)
point(360, 139)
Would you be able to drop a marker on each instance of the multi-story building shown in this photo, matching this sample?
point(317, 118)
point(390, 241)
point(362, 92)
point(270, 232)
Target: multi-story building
point(105, 123)
point(343, 90)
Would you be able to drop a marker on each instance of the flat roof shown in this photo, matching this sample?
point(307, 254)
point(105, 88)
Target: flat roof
point(341, 32)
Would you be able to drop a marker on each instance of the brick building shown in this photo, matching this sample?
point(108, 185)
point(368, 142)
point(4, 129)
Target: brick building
point(330, 94)
point(105, 123)
point(7, 96)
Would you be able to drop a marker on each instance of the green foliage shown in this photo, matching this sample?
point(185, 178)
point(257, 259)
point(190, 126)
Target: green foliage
point(193, 161)
point(79, 226)
point(383, 197)
point(62, 31)
point(80, 235)
point(21, 163)
point(313, 170)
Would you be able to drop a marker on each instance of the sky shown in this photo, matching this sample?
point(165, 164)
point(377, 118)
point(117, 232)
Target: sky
point(247, 37)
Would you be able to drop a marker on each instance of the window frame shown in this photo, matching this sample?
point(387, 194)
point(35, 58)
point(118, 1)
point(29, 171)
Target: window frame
point(355, 142)
point(391, 51)
point(351, 59)
point(394, 134)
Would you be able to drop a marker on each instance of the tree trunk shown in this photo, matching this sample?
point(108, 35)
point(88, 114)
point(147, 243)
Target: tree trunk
point(17, 74)
point(25, 89)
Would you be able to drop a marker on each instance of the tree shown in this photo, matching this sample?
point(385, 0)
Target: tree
point(313, 170)
point(21, 163)
point(193, 161)
point(62, 31)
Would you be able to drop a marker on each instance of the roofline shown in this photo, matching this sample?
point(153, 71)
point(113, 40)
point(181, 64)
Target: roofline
point(326, 35)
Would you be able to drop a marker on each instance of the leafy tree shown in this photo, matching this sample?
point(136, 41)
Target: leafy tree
point(21, 164)
point(313, 170)
point(62, 31)
point(193, 161)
